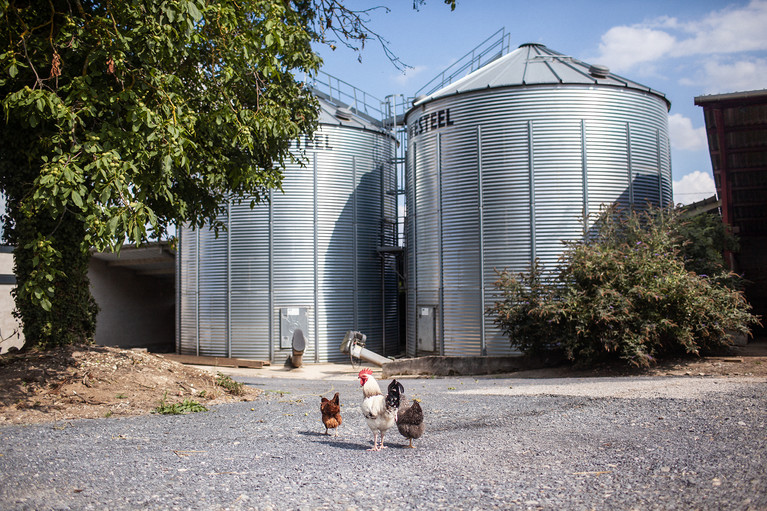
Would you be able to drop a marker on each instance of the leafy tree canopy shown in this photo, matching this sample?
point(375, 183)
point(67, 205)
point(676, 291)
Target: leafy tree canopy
point(128, 114)
point(121, 117)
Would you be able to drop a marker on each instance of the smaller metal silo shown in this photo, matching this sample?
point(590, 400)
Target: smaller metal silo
point(501, 166)
point(307, 259)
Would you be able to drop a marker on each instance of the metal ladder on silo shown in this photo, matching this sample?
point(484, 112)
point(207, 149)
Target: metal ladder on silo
point(492, 48)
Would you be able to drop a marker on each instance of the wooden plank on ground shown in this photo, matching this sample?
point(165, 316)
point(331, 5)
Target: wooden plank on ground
point(216, 361)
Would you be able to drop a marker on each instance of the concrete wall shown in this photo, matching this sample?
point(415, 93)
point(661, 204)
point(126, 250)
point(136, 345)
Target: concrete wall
point(10, 329)
point(136, 310)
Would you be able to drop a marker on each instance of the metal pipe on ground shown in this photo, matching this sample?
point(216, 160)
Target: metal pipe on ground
point(354, 343)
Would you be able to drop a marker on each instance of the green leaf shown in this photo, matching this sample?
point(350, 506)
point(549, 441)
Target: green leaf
point(112, 225)
point(77, 199)
point(194, 12)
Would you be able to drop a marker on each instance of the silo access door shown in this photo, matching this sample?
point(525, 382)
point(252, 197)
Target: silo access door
point(292, 318)
point(426, 328)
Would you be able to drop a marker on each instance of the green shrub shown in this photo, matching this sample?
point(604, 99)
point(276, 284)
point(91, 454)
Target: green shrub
point(703, 240)
point(187, 406)
point(521, 313)
point(623, 292)
point(233, 387)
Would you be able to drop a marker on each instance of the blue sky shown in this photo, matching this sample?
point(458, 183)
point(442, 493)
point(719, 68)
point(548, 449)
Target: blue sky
point(681, 48)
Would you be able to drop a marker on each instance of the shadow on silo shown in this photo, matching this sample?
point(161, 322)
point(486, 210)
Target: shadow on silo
point(644, 192)
point(342, 282)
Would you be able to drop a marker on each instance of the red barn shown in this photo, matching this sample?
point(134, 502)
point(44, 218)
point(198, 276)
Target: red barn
point(736, 124)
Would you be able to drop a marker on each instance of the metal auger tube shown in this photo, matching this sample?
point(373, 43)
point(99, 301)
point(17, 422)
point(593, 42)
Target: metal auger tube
point(370, 356)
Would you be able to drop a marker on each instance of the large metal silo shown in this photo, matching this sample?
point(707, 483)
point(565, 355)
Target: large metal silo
point(501, 166)
point(309, 258)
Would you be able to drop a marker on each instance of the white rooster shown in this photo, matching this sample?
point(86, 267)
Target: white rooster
point(380, 413)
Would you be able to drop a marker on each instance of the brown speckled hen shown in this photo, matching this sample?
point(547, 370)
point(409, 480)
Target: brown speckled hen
point(410, 422)
point(331, 413)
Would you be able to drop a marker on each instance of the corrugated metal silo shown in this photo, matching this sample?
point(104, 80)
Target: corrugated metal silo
point(309, 258)
point(501, 166)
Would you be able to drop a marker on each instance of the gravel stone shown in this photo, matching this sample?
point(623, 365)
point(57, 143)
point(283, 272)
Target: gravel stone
point(490, 443)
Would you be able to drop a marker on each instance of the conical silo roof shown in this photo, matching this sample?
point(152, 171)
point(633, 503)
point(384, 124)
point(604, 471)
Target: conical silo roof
point(337, 113)
point(533, 64)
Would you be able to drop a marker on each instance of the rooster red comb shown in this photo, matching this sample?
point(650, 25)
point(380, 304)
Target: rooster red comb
point(367, 371)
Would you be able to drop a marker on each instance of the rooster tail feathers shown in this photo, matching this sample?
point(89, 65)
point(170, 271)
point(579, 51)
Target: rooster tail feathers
point(396, 387)
point(394, 394)
point(395, 390)
point(335, 398)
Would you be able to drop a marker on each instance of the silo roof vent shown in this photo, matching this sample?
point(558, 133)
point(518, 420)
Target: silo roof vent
point(598, 71)
point(344, 114)
point(335, 113)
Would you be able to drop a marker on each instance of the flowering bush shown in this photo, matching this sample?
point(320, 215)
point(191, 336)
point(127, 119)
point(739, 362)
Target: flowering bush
point(522, 313)
point(623, 292)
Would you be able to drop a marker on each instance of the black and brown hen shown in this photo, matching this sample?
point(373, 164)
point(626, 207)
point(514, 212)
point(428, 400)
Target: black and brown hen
point(410, 422)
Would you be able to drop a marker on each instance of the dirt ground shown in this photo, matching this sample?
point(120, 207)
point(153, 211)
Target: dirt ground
point(749, 360)
point(76, 382)
point(97, 382)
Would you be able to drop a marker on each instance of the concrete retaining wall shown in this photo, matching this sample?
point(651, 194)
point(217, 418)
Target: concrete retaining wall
point(10, 328)
point(456, 366)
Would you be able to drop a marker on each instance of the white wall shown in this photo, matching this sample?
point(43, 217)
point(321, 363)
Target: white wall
point(10, 329)
point(136, 310)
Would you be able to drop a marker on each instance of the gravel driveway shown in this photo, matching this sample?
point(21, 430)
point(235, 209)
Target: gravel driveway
point(490, 443)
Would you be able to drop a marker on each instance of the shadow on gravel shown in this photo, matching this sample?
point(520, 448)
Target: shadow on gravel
point(349, 446)
point(314, 433)
point(343, 444)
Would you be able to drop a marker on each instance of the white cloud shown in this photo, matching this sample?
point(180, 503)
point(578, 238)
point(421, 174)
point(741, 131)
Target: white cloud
point(624, 47)
point(727, 31)
point(737, 76)
point(684, 136)
point(693, 187)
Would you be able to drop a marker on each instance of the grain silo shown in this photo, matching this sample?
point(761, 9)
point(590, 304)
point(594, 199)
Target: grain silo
point(311, 258)
point(501, 166)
